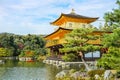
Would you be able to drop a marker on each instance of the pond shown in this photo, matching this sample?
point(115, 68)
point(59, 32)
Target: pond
point(15, 70)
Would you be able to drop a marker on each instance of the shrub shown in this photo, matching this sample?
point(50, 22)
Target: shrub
point(69, 57)
point(72, 71)
point(22, 54)
point(4, 52)
point(41, 58)
point(92, 73)
point(27, 53)
point(118, 74)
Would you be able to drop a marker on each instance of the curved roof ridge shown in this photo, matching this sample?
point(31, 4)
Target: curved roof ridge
point(57, 30)
point(57, 19)
point(74, 15)
point(78, 16)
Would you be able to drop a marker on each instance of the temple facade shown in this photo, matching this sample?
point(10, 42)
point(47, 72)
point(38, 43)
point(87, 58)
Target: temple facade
point(66, 23)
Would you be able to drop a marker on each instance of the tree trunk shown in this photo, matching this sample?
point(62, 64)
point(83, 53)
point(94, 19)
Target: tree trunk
point(86, 65)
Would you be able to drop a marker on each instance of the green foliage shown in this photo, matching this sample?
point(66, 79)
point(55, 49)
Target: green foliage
point(82, 68)
point(29, 53)
point(69, 57)
point(34, 45)
point(112, 42)
point(113, 18)
point(33, 42)
point(72, 71)
point(118, 74)
point(77, 41)
point(112, 39)
point(69, 78)
point(110, 60)
point(22, 54)
point(19, 44)
point(7, 41)
point(48, 52)
point(90, 48)
point(79, 36)
point(5, 52)
point(92, 73)
point(41, 57)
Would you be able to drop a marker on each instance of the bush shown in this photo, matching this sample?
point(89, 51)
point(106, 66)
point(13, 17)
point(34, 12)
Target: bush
point(41, 58)
point(27, 53)
point(22, 54)
point(118, 74)
point(4, 52)
point(69, 57)
point(92, 73)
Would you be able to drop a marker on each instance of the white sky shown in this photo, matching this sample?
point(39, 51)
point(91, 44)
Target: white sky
point(34, 16)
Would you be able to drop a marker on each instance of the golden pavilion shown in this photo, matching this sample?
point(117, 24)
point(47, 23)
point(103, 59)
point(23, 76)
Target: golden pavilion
point(66, 23)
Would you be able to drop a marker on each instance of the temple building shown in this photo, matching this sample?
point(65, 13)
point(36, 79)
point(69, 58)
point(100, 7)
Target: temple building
point(66, 23)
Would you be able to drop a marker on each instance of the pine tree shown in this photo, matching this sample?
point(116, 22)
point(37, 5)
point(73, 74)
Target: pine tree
point(113, 18)
point(77, 42)
point(111, 60)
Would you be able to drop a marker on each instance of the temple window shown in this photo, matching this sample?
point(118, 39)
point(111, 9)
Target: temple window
point(95, 54)
point(70, 25)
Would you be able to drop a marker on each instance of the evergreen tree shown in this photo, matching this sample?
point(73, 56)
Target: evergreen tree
point(77, 41)
point(113, 18)
point(33, 45)
point(14, 45)
point(111, 60)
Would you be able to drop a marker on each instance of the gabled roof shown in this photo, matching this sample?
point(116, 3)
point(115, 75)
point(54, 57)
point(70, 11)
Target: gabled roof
point(73, 16)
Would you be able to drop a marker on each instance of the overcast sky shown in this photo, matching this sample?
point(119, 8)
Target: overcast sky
point(34, 16)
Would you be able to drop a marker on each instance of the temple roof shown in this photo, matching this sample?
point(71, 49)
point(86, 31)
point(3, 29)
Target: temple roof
point(73, 17)
point(60, 32)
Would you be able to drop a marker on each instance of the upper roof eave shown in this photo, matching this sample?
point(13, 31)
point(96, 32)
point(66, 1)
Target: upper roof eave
point(57, 31)
point(74, 16)
point(57, 19)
